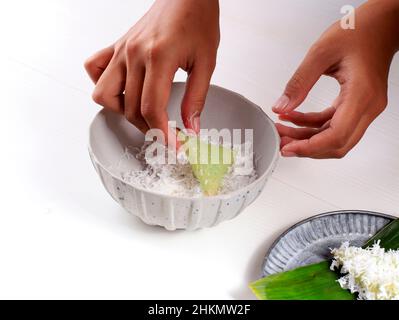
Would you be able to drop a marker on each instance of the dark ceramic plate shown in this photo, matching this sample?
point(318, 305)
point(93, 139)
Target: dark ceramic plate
point(310, 240)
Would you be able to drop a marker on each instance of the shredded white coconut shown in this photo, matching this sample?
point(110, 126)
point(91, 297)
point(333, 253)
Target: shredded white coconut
point(178, 179)
point(372, 272)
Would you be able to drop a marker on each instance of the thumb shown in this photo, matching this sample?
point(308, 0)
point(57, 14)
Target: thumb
point(195, 96)
point(303, 80)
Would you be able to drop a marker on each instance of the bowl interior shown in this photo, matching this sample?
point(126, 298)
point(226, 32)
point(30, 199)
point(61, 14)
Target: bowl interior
point(111, 133)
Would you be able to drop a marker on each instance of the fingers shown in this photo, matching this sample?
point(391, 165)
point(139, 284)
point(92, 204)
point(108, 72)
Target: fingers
point(312, 147)
point(155, 96)
point(311, 119)
point(358, 133)
point(336, 137)
point(335, 140)
point(132, 102)
point(374, 108)
point(109, 89)
point(97, 63)
point(298, 87)
point(194, 98)
point(296, 133)
point(313, 123)
point(285, 140)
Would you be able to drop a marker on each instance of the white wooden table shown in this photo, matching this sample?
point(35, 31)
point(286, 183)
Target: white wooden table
point(62, 236)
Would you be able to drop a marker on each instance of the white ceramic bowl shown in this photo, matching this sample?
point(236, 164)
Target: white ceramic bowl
point(110, 133)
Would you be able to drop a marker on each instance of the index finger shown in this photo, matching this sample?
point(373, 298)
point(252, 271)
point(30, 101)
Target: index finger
point(97, 63)
point(155, 97)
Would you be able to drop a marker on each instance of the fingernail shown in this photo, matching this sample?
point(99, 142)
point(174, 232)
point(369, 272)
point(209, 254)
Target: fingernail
point(288, 154)
point(281, 104)
point(196, 124)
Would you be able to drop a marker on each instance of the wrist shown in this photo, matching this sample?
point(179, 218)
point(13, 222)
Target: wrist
point(387, 12)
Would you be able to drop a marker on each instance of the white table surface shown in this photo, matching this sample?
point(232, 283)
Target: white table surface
point(61, 234)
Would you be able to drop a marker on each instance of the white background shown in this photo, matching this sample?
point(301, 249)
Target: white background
point(62, 236)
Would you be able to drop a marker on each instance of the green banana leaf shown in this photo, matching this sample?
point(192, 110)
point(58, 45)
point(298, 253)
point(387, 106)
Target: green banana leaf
point(388, 236)
point(317, 281)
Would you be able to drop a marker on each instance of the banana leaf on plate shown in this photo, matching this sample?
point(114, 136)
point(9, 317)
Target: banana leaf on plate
point(317, 281)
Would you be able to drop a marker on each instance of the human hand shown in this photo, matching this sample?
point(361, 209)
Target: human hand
point(134, 76)
point(359, 60)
